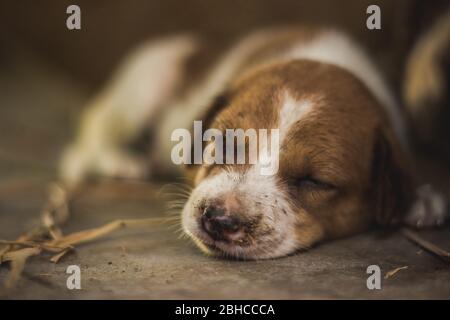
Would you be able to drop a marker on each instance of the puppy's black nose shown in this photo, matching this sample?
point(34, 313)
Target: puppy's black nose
point(219, 224)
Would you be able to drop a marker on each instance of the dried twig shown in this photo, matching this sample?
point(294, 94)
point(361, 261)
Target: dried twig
point(430, 247)
point(56, 211)
point(44, 246)
point(394, 271)
point(92, 234)
point(64, 244)
point(58, 256)
point(48, 236)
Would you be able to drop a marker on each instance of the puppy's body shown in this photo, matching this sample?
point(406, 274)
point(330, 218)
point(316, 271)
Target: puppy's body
point(342, 138)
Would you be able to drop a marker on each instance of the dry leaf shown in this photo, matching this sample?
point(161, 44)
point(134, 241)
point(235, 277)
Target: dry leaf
point(45, 246)
point(92, 234)
point(56, 212)
point(394, 271)
point(18, 259)
point(58, 256)
point(3, 250)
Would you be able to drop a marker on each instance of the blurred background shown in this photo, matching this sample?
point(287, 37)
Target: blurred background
point(34, 32)
point(48, 73)
point(111, 27)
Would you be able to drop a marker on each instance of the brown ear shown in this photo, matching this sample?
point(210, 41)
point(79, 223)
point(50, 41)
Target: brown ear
point(392, 186)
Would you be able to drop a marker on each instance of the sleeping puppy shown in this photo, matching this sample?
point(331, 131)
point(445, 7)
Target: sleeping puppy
point(342, 158)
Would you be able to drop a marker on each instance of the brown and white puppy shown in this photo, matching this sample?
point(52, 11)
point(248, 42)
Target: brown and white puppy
point(342, 160)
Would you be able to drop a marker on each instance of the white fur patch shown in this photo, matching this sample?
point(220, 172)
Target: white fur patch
point(291, 112)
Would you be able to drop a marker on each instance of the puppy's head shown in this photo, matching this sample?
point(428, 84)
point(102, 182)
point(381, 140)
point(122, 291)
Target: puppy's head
point(339, 165)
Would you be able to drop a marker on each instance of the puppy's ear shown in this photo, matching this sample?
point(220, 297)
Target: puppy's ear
point(392, 184)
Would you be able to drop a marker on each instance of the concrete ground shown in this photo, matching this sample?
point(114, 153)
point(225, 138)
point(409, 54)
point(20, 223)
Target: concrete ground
point(38, 106)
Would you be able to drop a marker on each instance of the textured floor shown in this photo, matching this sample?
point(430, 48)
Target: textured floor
point(37, 109)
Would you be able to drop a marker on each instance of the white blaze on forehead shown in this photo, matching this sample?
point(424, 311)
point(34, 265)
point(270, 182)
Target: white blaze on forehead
point(291, 111)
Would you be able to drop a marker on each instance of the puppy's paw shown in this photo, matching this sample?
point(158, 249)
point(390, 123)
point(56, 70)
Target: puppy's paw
point(78, 163)
point(75, 165)
point(428, 210)
point(119, 164)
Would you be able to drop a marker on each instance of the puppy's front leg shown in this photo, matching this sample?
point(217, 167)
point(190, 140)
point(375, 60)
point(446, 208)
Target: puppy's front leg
point(144, 83)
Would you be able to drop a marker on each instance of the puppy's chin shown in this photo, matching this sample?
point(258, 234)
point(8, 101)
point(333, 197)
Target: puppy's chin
point(239, 252)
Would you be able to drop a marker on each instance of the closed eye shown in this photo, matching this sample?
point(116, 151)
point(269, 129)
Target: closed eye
point(310, 182)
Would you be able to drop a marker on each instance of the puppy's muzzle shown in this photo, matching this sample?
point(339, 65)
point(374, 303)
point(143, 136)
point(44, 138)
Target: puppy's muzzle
point(220, 224)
